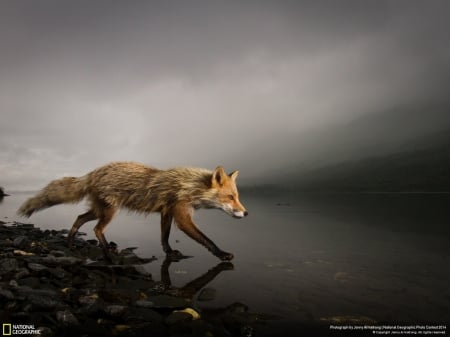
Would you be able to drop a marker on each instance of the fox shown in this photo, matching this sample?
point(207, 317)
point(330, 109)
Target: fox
point(174, 193)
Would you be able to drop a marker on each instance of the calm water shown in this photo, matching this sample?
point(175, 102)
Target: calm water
point(304, 259)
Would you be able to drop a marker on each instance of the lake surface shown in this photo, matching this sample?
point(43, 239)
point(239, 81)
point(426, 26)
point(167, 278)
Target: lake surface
point(303, 259)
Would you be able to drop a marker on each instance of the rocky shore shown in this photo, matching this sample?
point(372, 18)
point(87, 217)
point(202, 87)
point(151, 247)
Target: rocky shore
point(62, 292)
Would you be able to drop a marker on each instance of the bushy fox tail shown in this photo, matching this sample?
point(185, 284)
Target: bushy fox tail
point(64, 190)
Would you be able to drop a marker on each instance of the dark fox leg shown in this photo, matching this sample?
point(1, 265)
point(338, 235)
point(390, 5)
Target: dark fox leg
point(166, 224)
point(80, 221)
point(184, 221)
point(99, 229)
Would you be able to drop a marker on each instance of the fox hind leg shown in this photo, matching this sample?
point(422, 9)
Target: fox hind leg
point(80, 221)
point(166, 224)
point(104, 219)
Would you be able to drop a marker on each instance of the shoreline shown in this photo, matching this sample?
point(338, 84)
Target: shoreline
point(59, 291)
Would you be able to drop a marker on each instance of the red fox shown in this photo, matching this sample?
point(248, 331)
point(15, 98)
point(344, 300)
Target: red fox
point(174, 193)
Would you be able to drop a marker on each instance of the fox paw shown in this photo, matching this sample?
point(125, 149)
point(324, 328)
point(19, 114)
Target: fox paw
point(224, 256)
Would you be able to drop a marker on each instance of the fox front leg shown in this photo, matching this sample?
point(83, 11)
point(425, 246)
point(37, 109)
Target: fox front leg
point(184, 221)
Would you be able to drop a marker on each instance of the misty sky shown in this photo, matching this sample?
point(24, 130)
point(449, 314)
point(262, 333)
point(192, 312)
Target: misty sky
point(203, 83)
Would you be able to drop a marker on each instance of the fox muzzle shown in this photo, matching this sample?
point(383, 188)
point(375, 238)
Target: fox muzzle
point(239, 214)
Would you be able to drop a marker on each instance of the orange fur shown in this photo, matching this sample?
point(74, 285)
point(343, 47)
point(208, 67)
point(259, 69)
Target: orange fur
point(174, 193)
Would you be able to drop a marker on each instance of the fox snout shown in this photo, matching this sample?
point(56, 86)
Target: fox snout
point(239, 214)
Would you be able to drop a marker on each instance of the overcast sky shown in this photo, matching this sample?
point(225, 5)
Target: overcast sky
point(202, 83)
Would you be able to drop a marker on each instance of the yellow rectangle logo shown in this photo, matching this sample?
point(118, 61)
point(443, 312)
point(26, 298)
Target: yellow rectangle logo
point(6, 329)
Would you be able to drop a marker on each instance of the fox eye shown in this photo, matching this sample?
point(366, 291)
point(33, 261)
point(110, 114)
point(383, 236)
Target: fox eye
point(231, 197)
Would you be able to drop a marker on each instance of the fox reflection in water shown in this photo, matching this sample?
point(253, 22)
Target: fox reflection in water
point(189, 290)
point(235, 312)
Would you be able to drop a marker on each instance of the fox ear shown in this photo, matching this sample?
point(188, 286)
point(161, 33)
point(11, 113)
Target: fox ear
point(234, 174)
point(218, 176)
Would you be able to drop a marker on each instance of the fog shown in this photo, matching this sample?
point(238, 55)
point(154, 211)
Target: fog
point(266, 87)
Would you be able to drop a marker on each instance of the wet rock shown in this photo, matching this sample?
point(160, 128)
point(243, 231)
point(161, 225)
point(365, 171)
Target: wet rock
point(23, 225)
point(57, 253)
point(144, 304)
point(21, 273)
point(66, 318)
point(44, 302)
point(21, 242)
point(88, 299)
point(19, 252)
point(194, 314)
point(121, 328)
point(128, 250)
point(40, 298)
point(36, 267)
point(5, 243)
point(136, 314)
point(58, 272)
point(129, 258)
point(95, 253)
point(66, 261)
point(8, 265)
point(31, 282)
point(13, 284)
point(115, 310)
point(6, 294)
point(178, 317)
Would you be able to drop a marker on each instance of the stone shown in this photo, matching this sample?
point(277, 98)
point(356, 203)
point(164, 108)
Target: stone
point(21, 273)
point(36, 267)
point(21, 241)
point(115, 310)
point(144, 304)
point(43, 302)
point(58, 272)
point(22, 253)
point(8, 265)
point(129, 258)
point(66, 318)
point(7, 294)
point(57, 253)
point(195, 315)
point(177, 317)
point(31, 282)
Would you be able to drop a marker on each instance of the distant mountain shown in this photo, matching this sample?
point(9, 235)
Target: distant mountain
point(402, 148)
point(424, 167)
point(398, 129)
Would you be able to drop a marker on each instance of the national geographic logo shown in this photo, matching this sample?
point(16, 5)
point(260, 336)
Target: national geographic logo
point(9, 329)
point(6, 329)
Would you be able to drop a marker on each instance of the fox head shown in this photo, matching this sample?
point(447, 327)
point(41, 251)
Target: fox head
point(226, 193)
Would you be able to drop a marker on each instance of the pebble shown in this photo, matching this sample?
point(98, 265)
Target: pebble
point(21, 241)
point(66, 318)
point(115, 310)
point(36, 267)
